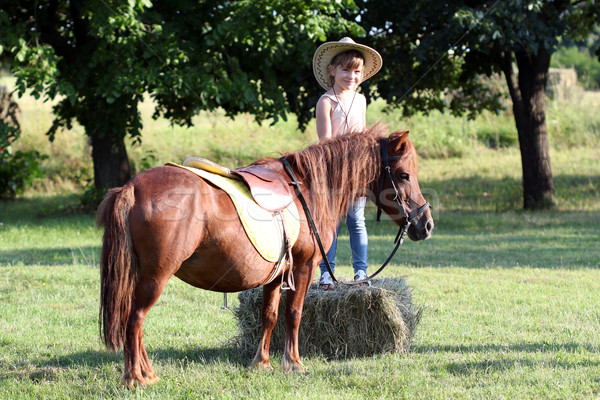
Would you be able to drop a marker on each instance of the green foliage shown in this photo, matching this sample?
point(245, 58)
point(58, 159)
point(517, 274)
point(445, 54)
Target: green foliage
point(440, 46)
point(99, 58)
point(18, 171)
point(482, 93)
point(587, 67)
point(250, 56)
point(8, 134)
point(92, 197)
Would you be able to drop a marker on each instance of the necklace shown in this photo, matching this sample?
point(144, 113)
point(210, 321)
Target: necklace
point(345, 124)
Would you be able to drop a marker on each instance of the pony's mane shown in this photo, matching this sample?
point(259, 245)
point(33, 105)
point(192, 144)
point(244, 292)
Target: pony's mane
point(337, 170)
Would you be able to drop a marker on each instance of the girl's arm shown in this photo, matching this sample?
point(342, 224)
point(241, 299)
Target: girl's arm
point(323, 118)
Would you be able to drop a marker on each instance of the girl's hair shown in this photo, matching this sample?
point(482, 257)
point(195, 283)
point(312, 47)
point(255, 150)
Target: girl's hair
point(350, 59)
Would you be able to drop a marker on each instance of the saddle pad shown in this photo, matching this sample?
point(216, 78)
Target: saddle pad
point(268, 189)
point(261, 226)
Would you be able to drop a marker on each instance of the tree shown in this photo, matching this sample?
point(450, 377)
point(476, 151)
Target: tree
point(100, 57)
point(434, 47)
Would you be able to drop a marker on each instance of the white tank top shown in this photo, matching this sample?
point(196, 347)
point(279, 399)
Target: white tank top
point(347, 116)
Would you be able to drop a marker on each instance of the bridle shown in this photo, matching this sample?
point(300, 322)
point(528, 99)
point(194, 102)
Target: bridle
point(409, 217)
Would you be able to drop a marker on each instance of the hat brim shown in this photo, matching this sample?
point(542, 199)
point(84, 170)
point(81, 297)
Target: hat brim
point(327, 51)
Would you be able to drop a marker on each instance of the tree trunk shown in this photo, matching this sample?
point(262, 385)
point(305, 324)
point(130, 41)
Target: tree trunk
point(111, 164)
point(529, 107)
point(107, 132)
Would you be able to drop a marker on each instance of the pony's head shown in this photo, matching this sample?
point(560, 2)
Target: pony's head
point(397, 191)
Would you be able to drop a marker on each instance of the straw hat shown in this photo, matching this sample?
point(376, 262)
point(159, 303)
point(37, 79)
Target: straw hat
point(327, 51)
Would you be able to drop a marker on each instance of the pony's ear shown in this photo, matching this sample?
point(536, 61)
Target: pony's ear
point(397, 139)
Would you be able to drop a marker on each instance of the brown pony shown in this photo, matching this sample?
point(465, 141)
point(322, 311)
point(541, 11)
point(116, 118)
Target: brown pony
point(167, 221)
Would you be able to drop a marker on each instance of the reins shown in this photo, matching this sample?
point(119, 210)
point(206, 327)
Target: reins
point(409, 217)
point(296, 183)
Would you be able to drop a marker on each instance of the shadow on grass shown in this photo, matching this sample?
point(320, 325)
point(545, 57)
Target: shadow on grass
point(205, 356)
point(466, 238)
point(512, 360)
point(231, 355)
point(554, 252)
point(541, 347)
point(52, 256)
point(491, 222)
point(95, 359)
point(37, 209)
point(490, 366)
point(41, 368)
point(487, 239)
point(507, 240)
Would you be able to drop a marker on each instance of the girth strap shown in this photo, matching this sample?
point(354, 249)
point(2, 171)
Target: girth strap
point(285, 258)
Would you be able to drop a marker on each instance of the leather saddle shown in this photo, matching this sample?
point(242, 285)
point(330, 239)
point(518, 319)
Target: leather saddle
point(269, 190)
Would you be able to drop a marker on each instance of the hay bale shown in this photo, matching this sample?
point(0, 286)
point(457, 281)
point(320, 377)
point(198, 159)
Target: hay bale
point(562, 84)
point(346, 322)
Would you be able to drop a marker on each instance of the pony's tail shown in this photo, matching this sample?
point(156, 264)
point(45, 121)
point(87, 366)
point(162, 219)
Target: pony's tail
point(118, 265)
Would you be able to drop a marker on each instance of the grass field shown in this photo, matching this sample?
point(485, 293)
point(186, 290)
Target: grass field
point(512, 298)
point(512, 311)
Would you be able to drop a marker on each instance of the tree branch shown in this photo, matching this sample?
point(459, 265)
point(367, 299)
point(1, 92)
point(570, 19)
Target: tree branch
point(80, 25)
point(47, 27)
point(505, 61)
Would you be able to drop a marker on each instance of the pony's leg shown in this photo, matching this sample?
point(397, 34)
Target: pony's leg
point(290, 362)
point(138, 369)
point(147, 369)
point(269, 311)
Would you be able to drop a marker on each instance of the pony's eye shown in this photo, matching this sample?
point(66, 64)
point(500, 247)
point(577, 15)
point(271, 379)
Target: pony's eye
point(403, 176)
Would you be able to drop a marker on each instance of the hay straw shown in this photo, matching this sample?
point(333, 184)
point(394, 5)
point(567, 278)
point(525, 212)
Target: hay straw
point(346, 322)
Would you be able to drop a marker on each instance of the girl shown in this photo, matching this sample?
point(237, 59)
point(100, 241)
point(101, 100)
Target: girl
point(340, 67)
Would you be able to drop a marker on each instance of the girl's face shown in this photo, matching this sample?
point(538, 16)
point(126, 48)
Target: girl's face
point(347, 77)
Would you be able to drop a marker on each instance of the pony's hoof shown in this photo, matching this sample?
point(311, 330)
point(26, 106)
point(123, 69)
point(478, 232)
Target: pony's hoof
point(261, 366)
point(289, 366)
point(151, 379)
point(132, 383)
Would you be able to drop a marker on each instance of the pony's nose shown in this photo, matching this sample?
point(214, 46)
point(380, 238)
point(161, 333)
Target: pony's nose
point(429, 227)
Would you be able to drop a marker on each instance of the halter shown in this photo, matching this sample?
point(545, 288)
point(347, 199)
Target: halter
point(409, 217)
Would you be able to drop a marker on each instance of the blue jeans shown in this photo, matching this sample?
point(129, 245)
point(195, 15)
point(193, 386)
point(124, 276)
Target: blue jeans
point(359, 242)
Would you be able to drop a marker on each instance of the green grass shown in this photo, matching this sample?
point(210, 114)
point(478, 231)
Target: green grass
point(491, 180)
point(511, 312)
point(512, 298)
